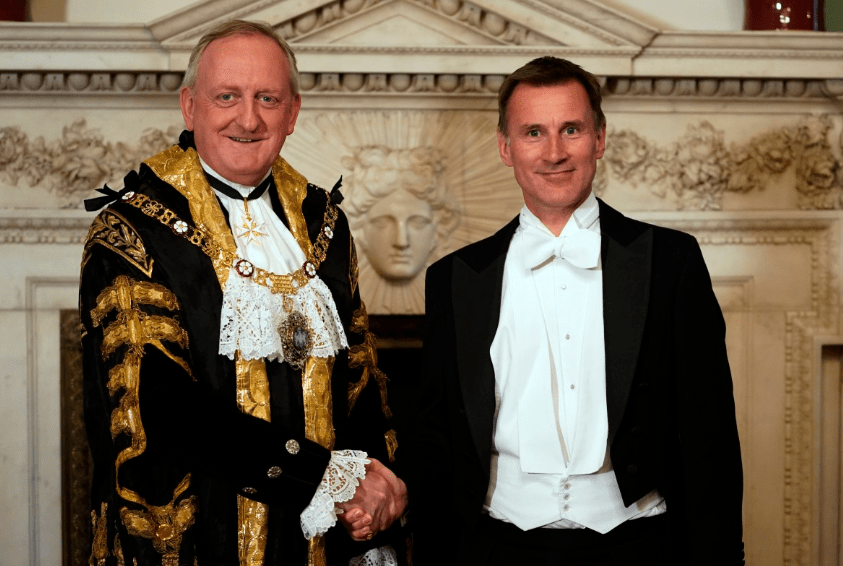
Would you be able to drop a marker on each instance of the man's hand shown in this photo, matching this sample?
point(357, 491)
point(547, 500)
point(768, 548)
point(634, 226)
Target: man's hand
point(380, 499)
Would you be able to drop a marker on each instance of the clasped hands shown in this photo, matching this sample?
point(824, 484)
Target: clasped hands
point(380, 498)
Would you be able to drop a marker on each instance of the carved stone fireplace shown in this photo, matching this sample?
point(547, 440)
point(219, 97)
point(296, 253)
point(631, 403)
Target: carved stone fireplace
point(733, 137)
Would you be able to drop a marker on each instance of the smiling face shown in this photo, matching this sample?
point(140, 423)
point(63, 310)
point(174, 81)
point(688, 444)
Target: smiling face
point(552, 148)
point(400, 234)
point(241, 108)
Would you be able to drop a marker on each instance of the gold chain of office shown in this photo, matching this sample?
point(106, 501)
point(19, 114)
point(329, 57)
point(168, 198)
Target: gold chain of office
point(284, 284)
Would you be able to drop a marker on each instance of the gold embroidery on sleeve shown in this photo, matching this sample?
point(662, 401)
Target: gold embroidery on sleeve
point(118, 551)
point(111, 230)
point(99, 526)
point(365, 355)
point(354, 269)
point(253, 516)
point(391, 443)
point(122, 296)
point(163, 525)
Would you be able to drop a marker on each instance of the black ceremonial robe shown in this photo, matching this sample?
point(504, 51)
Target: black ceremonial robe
point(200, 459)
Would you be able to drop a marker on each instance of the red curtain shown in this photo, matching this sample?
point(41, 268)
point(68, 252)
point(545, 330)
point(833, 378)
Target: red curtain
point(13, 10)
point(785, 14)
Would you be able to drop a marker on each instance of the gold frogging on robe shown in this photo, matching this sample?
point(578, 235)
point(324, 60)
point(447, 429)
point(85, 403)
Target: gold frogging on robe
point(164, 525)
point(365, 355)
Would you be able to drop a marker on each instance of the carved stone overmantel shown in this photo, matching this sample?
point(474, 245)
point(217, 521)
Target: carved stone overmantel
point(736, 138)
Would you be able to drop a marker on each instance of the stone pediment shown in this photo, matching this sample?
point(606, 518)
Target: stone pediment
point(482, 37)
point(420, 23)
point(346, 34)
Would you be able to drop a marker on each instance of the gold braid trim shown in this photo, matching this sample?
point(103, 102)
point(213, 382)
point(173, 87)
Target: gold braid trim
point(99, 526)
point(111, 230)
point(365, 355)
point(122, 296)
point(318, 426)
point(163, 525)
point(253, 517)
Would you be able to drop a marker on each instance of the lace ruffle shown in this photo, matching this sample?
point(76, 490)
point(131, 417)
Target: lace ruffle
point(251, 315)
point(381, 556)
point(342, 476)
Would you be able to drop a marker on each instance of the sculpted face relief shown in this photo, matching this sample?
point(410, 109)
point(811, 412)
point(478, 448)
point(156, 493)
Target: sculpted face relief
point(241, 108)
point(400, 234)
point(553, 148)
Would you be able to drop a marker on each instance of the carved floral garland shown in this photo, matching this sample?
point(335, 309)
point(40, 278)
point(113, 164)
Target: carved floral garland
point(78, 162)
point(698, 169)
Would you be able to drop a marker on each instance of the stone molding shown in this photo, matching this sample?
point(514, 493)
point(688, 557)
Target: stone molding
point(822, 237)
point(43, 230)
point(130, 83)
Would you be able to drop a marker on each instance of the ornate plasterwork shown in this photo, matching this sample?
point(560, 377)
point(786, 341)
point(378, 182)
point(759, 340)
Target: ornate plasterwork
point(80, 161)
point(695, 172)
point(75, 83)
point(480, 19)
point(45, 230)
point(450, 84)
point(699, 168)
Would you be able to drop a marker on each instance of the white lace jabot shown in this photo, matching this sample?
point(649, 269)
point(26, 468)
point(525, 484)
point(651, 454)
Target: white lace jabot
point(251, 314)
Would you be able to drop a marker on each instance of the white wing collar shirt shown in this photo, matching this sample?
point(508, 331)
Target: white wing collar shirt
point(550, 462)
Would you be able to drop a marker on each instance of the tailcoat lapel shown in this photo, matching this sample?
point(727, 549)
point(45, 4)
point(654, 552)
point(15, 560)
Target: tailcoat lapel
point(627, 253)
point(476, 283)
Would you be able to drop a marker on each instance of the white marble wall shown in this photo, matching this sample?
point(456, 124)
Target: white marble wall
point(734, 137)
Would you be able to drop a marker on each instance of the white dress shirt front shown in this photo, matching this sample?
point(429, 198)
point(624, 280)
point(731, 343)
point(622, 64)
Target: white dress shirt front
point(550, 458)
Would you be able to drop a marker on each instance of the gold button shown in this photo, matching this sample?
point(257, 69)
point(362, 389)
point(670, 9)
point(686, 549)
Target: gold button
point(274, 472)
point(292, 447)
point(250, 490)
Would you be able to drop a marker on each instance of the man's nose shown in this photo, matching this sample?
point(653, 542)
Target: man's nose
point(248, 116)
point(557, 149)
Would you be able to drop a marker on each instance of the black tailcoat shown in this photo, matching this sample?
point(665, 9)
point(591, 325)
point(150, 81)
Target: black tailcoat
point(671, 409)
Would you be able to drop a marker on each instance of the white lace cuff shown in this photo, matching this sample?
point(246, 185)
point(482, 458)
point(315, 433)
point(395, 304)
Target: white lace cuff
point(382, 556)
point(342, 476)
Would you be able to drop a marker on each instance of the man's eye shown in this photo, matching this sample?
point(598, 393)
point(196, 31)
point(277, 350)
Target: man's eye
point(267, 99)
point(227, 97)
point(571, 130)
point(533, 133)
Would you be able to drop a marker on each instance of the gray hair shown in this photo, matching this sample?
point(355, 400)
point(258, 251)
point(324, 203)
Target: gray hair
point(240, 27)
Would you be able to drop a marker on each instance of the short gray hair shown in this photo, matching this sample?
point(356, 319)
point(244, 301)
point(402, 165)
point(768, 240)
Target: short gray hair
point(240, 27)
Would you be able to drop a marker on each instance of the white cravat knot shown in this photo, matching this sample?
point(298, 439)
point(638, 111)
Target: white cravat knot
point(580, 248)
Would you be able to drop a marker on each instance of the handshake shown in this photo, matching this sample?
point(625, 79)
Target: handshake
point(380, 498)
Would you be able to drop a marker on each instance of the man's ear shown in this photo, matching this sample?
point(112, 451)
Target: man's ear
point(503, 149)
point(187, 102)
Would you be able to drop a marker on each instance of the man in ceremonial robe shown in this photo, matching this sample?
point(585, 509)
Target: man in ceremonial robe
point(233, 402)
point(576, 396)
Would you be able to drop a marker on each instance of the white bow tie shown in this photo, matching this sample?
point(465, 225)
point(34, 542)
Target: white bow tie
point(580, 248)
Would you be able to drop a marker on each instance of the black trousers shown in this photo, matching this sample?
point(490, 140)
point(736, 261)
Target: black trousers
point(644, 542)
